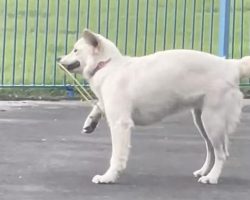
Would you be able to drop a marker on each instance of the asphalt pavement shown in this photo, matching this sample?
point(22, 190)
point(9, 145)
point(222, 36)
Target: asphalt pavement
point(43, 156)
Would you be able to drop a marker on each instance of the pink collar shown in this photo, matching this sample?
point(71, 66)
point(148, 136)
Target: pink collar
point(100, 65)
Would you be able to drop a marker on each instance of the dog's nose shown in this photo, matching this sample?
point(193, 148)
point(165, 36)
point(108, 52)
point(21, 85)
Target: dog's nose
point(59, 59)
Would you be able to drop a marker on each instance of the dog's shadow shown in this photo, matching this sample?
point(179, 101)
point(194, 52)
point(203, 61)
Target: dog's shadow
point(227, 181)
point(183, 182)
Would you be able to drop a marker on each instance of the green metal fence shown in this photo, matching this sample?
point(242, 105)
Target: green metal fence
point(34, 32)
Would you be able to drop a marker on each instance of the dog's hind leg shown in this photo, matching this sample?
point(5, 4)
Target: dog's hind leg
point(209, 162)
point(121, 136)
point(216, 129)
point(220, 120)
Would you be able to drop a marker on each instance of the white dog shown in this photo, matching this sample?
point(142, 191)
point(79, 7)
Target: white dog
point(143, 90)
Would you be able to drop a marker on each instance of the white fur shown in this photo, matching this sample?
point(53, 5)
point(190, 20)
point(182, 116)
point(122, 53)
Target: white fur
point(143, 90)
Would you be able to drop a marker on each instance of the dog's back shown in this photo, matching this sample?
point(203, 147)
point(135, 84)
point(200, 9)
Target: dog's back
point(169, 81)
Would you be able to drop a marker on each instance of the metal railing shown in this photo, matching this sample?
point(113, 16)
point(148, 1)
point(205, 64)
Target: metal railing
point(34, 32)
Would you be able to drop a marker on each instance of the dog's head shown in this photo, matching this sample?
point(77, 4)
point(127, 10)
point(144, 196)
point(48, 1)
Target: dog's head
point(90, 52)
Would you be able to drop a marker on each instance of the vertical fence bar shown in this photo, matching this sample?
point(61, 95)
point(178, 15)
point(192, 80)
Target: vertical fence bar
point(211, 26)
point(46, 42)
point(126, 28)
point(14, 44)
point(66, 35)
point(224, 27)
point(67, 27)
point(88, 14)
point(77, 23)
point(156, 19)
point(107, 19)
point(136, 26)
point(175, 22)
point(78, 19)
point(4, 41)
point(242, 28)
point(233, 29)
point(193, 25)
point(184, 24)
point(99, 17)
point(25, 40)
point(87, 21)
point(146, 29)
point(117, 21)
point(202, 25)
point(56, 38)
point(165, 24)
point(35, 45)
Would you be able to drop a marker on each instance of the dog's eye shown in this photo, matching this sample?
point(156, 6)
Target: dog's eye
point(75, 50)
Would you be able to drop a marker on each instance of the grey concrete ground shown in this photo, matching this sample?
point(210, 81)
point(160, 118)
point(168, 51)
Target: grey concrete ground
point(43, 156)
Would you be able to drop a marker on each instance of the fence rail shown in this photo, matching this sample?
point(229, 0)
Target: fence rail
point(34, 32)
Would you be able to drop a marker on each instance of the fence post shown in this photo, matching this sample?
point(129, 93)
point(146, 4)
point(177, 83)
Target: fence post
point(224, 28)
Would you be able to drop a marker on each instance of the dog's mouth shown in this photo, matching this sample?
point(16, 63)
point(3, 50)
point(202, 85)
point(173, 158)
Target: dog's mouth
point(72, 66)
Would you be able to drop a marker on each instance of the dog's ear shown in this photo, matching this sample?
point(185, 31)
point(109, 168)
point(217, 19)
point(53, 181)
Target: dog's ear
point(90, 38)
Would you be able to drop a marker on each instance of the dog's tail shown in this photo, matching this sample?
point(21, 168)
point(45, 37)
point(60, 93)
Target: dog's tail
point(244, 67)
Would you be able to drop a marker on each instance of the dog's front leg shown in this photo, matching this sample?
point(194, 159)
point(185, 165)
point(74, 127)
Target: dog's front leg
point(92, 120)
point(121, 136)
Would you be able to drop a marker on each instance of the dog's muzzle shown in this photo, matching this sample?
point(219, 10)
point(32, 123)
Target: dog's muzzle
point(71, 66)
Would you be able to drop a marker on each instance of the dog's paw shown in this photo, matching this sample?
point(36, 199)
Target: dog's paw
point(208, 180)
point(104, 179)
point(198, 173)
point(89, 128)
point(109, 177)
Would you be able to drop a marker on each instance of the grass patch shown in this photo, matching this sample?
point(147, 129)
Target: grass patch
point(51, 94)
point(32, 94)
